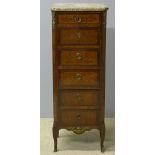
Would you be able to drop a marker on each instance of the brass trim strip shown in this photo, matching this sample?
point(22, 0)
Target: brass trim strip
point(53, 18)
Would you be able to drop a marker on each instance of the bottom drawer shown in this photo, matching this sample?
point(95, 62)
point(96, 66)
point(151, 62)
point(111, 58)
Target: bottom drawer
point(79, 117)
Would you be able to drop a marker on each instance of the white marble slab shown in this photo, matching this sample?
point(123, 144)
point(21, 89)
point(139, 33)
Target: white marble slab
point(78, 7)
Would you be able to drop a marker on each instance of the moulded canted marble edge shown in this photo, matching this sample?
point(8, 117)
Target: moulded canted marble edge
point(78, 7)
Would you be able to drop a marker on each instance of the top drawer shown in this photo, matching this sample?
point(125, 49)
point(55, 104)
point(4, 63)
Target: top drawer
point(79, 18)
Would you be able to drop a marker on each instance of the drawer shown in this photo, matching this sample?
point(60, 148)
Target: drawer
point(79, 117)
point(79, 98)
point(78, 18)
point(78, 57)
point(78, 78)
point(78, 36)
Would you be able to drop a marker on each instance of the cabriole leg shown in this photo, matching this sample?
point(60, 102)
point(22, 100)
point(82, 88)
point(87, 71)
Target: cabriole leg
point(102, 137)
point(55, 136)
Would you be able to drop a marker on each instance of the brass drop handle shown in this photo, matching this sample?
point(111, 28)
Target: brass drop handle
point(78, 115)
point(77, 19)
point(78, 34)
point(78, 97)
point(78, 76)
point(78, 56)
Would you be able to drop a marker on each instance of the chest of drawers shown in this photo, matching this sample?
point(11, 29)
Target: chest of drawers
point(79, 39)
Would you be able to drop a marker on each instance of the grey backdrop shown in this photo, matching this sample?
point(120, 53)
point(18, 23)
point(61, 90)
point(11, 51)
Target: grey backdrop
point(46, 104)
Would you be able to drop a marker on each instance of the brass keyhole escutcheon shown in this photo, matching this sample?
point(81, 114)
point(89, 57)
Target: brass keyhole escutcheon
point(78, 76)
point(78, 34)
point(77, 19)
point(78, 56)
point(78, 97)
point(78, 115)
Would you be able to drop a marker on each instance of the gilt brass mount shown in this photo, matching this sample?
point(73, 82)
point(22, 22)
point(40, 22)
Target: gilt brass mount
point(78, 130)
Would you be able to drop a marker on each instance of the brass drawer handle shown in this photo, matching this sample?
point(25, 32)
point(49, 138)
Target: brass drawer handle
point(77, 19)
point(78, 56)
point(78, 97)
point(78, 76)
point(78, 34)
point(78, 115)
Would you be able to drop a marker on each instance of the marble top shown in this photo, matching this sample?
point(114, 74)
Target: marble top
point(78, 7)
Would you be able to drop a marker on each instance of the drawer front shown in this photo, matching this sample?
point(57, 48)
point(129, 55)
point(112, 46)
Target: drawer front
point(78, 57)
point(79, 98)
point(78, 36)
point(78, 18)
point(79, 117)
point(78, 78)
